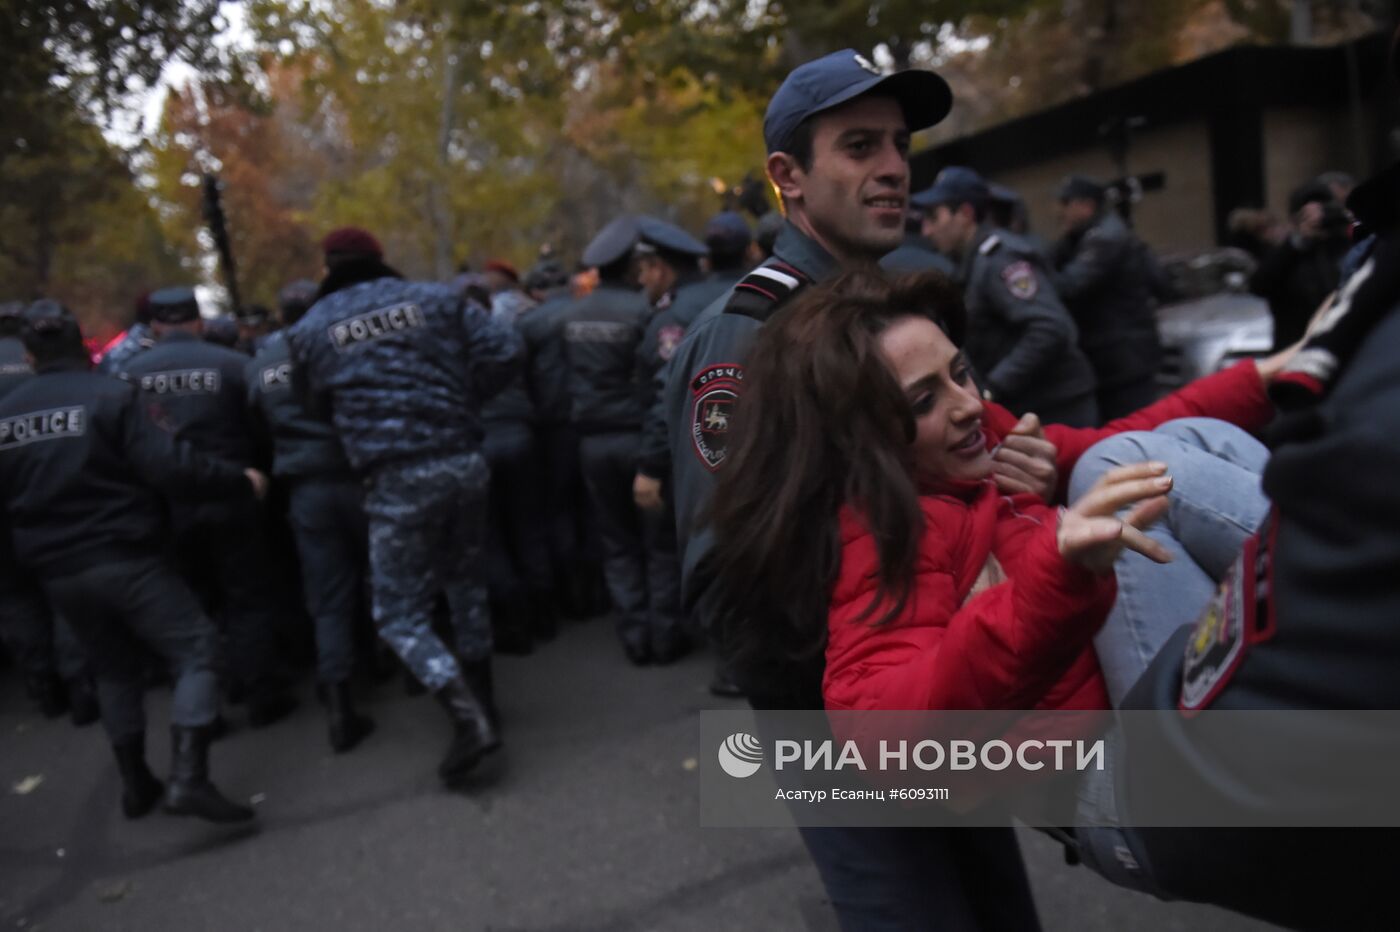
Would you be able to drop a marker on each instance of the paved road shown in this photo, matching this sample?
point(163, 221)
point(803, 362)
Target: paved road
point(587, 822)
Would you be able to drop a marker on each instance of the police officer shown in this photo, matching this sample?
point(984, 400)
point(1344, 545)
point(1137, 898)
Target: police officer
point(572, 539)
point(222, 546)
point(402, 368)
point(915, 253)
point(837, 134)
point(1107, 279)
point(137, 339)
point(1020, 338)
point(522, 579)
point(325, 507)
point(80, 465)
point(603, 334)
point(55, 671)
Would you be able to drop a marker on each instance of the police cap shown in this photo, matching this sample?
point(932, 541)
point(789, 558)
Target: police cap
point(841, 76)
point(48, 322)
point(659, 236)
point(727, 232)
point(296, 298)
point(176, 305)
point(1081, 188)
point(954, 185)
point(613, 242)
point(546, 274)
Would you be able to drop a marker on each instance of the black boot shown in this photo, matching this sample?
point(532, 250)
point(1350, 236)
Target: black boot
point(483, 684)
point(190, 792)
point(140, 789)
point(47, 690)
point(82, 701)
point(347, 727)
point(475, 735)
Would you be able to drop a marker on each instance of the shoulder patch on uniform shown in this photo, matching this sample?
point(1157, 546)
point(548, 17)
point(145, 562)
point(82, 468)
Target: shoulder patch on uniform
point(714, 390)
point(762, 291)
point(667, 339)
point(1020, 279)
point(989, 245)
point(1239, 615)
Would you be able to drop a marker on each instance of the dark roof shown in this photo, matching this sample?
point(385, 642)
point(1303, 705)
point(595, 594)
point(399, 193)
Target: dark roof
point(1243, 79)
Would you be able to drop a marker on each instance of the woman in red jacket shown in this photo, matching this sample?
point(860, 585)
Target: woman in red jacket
point(857, 521)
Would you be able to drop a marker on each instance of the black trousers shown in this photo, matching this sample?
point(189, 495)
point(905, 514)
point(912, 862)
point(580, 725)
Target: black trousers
point(518, 548)
point(639, 550)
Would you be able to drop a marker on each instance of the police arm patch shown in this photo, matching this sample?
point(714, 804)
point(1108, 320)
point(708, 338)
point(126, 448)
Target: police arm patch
point(1020, 280)
point(714, 392)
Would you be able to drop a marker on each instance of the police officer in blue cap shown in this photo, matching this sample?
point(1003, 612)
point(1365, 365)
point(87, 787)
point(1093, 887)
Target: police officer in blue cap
point(221, 547)
point(84, 471)
point(325, 508)
point(603, 335)
point(1020, 338)
point(837, 133)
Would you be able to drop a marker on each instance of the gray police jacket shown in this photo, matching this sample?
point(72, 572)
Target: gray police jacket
point(302, 445)
point(1020, 338)
point(403, 368)
point(603, 337)
point(705, 377)
point(1108, 280)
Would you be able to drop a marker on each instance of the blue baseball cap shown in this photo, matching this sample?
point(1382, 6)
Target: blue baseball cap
point(954, 185)
point(654, 235)
point(841, 76)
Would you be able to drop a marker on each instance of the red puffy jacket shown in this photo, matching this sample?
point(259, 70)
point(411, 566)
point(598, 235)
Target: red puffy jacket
point(1021, 644)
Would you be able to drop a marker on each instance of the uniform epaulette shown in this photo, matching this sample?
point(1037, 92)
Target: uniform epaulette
point(764, 290)
point(989, 245)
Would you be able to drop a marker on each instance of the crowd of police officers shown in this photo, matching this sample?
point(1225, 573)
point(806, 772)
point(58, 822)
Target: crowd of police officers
point(456, 466)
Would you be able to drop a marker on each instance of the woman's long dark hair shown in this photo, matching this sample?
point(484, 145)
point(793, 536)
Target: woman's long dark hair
point(821, 422)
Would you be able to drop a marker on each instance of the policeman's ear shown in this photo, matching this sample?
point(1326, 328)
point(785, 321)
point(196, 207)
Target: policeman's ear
point(787, 175)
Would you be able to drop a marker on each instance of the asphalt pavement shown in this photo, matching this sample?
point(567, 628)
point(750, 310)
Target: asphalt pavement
point(587, 822)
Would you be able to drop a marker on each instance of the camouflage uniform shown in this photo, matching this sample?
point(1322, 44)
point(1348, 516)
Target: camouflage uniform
point(403, 369)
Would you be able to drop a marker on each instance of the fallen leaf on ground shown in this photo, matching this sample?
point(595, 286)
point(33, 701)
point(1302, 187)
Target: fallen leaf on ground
point(690, 763)
point(27, 785)
point(112, 892)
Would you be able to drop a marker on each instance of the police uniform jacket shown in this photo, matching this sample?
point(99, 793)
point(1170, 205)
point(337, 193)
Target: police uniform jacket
point(603, 336)
point(1316, 626)
point(512, 403)
point(1020, 338)
point(303, 445)
point(80, 463)
point(201, 389)
point(138, 339)
point(14, 366)
point(1107, 279)
point(403, 368)
point(547, 370)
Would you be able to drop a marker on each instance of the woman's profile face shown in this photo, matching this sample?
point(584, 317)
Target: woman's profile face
point(950, 449)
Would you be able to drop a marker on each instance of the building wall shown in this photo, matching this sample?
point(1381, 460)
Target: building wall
point(1177, 218)
point(1302, 143)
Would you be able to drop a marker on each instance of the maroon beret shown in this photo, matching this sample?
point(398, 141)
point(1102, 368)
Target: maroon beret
point(352, 241)
point(504, 267)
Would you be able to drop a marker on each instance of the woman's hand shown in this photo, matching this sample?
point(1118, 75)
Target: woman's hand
point(1090, 533)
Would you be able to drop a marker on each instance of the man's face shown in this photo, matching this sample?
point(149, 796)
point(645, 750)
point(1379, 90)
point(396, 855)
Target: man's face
point(949, 228)
point(856, 191)
point(656, 276)
point(1076, 213)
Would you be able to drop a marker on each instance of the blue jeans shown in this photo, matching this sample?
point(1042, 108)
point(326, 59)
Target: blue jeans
point(1216, 504)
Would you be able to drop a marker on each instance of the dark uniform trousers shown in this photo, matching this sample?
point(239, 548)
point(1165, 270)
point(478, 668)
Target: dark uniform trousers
point(427, 530)
point(639, 549)
point(42, 643)
point(120, 612)
point(573, 532)
point(519, 548)
point(221, 550)
point(327, 517)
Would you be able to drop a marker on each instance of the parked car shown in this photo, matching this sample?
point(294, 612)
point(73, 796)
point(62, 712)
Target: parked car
point(1216, 321)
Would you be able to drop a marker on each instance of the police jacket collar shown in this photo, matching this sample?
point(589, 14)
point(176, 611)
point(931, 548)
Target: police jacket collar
point(971, 251)
point(805, 254)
